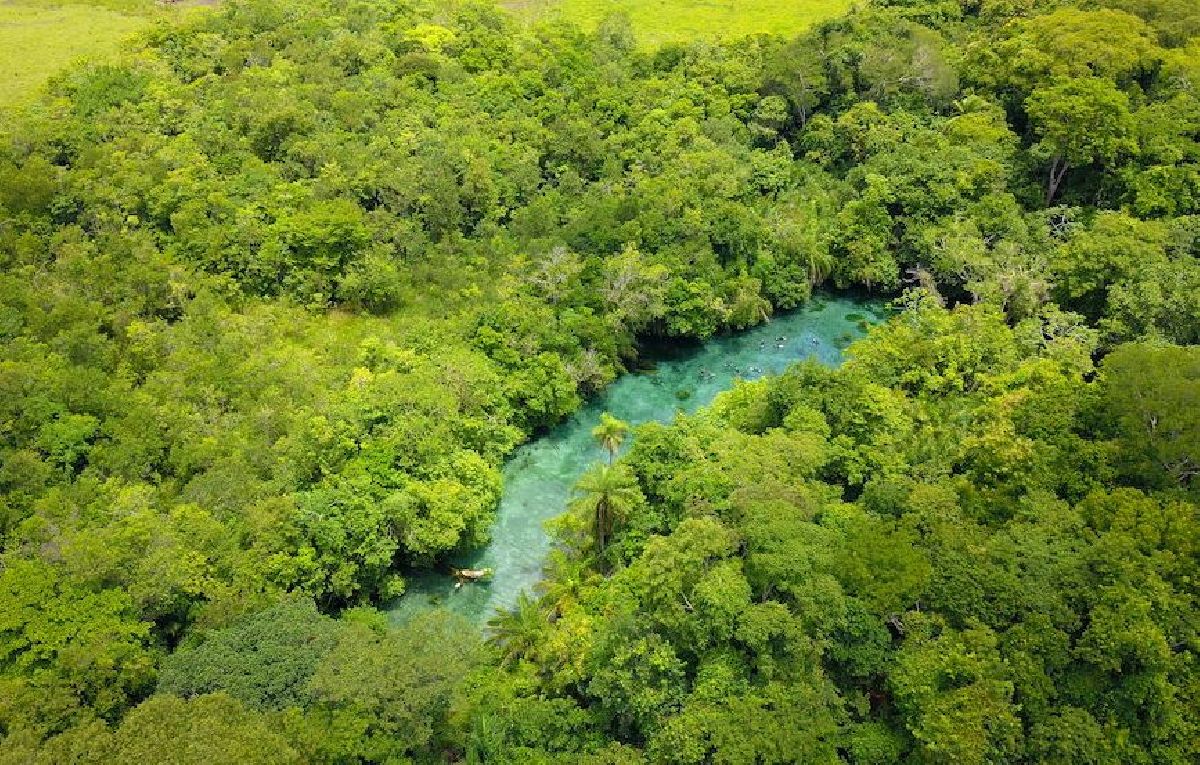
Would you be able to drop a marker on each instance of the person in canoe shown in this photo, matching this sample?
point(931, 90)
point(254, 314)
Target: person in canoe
point(464, 575)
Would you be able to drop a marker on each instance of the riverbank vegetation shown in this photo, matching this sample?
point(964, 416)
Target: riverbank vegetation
point(281, 289)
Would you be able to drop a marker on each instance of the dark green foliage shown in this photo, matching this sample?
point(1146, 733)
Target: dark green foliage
point(263, 661)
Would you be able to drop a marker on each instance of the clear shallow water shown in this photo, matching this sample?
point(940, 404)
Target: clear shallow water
point(540, 474)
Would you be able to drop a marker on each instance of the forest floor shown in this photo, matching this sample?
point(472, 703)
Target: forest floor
point(659, 21)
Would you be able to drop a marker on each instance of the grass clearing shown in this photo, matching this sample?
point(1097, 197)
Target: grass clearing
point(38, 40)
point(659, 21)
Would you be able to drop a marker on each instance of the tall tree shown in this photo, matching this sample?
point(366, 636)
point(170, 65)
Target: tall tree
point(610, 433)
point(1152, 394)
point(607, 493)
point(1079, 121)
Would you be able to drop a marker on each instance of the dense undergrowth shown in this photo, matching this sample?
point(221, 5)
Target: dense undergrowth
point(281, 290)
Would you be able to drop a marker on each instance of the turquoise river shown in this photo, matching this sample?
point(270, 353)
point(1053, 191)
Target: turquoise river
point(539, 476)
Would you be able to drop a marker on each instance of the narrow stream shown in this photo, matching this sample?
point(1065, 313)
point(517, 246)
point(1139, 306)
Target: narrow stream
point(540, 474)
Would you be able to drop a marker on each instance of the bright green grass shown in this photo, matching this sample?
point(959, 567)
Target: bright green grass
point(659, 21)
point(38, 40)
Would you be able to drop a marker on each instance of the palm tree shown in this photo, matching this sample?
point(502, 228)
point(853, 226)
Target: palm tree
point(610, 433)
point(515, 631)
point(607, 493)
point(565, 577)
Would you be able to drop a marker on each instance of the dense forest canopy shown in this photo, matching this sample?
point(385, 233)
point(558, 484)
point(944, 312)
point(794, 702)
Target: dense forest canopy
point(281, 288)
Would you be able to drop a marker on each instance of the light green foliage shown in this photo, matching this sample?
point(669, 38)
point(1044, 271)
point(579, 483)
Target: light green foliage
point(775, 724)
point(1079, 122)
point(166, 730)
point(207, 729)
point(684, 20)
point(506, 725)
point(1073, 42)
point(516, 631)
point(610, 433)
point(39, 39)
point(57, 631)
point(952, 692)
point(1152, 396)
point(607, 495)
